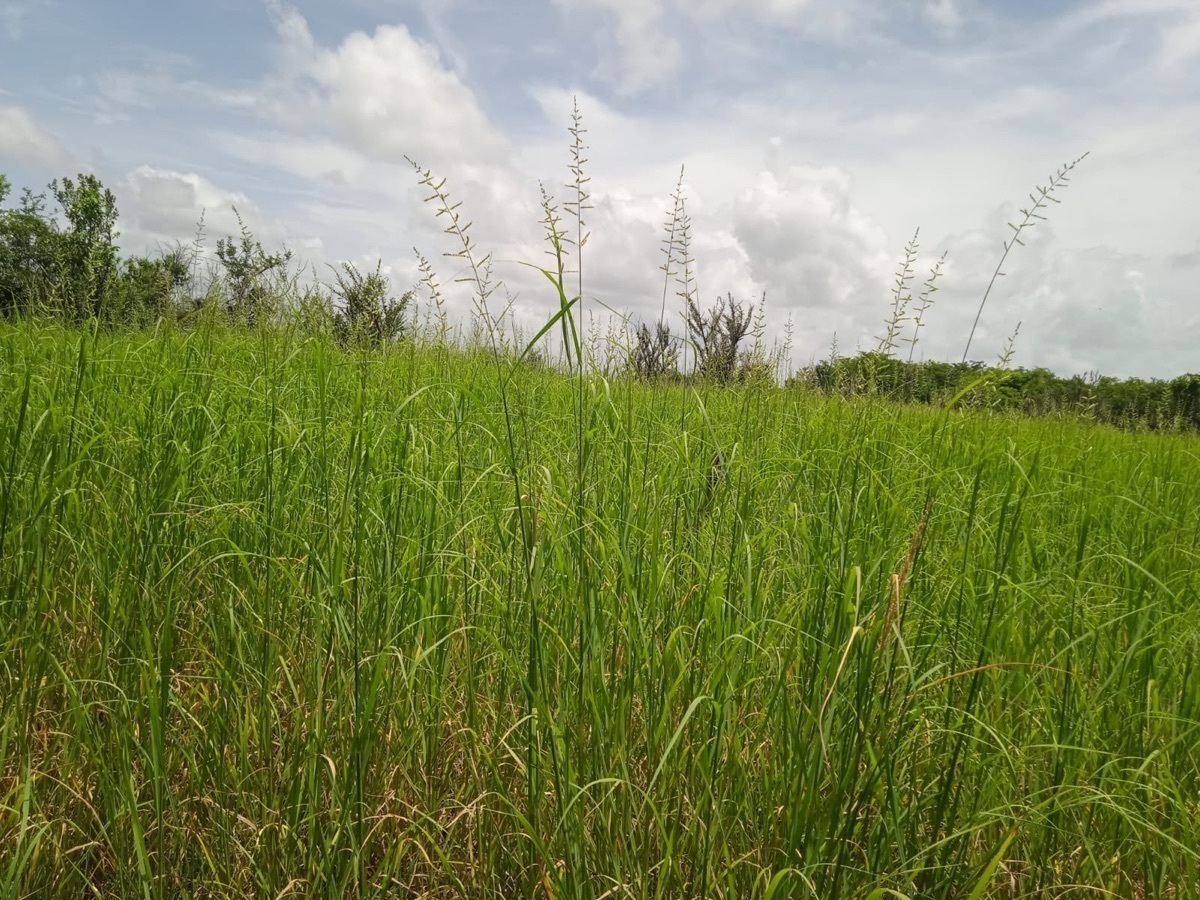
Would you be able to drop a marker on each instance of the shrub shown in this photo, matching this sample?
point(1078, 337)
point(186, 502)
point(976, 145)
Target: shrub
point(655, 355)
point(147, 288)
point(246, 266)
point(369, 313)
point(717, 336)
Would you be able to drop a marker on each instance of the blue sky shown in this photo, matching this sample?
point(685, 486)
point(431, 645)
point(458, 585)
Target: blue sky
point(816, 135)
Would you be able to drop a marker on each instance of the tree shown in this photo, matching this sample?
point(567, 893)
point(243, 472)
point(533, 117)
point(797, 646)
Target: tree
point(246, 265)
point(89, 253)
point(30, 254)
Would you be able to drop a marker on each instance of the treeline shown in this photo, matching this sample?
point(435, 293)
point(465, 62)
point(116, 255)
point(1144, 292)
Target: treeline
point(1132, 403)
point(59, 258)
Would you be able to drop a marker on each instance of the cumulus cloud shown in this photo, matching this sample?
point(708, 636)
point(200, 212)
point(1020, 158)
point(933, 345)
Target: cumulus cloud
point(387, 94)
point(876, 135)
point(162, 205)
point(24, 142)
point(1100, 310)
point(806, 241)
point(1078, 309)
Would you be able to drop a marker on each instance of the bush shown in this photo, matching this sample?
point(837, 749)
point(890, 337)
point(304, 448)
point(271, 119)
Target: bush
point(369, 315)
point(147, 288)
point(246, 266)
point(717, 336)
point(655, 355)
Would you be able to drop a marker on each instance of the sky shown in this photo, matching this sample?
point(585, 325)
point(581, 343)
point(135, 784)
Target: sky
point(814, 136)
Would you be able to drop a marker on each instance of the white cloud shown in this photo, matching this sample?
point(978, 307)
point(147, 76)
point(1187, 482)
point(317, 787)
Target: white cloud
point(163, 82)
point(1098, 309)
point(1024, 102)
point(1181, 44)
point(24, 142)
point(827, 18)
point(876, 135)
point(386, 94)
point(318, 159)
point(1079, 309)
point(646, 42)
point(162, 205)
point(805, 240)
point(1177, 23)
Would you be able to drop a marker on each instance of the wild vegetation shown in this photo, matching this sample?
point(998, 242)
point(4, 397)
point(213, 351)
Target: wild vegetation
point(64, 264)
point(1131, 404)
point(304, 598)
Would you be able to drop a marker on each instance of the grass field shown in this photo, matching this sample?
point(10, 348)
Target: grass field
point(282, 620)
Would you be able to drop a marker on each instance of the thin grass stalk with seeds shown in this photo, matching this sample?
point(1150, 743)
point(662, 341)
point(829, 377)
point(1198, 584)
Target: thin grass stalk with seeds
point(901, 298)
point(480, 278)
point(924, 302)
point(1029, 218)
point(577, 206)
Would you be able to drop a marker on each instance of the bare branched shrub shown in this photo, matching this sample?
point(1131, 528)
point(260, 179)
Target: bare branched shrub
point(437, 324)
point(655, 355)
point(924, 302)
point(717, 334)
point(486, 326)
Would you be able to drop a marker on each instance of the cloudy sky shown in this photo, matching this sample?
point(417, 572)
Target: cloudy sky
point(815, 136)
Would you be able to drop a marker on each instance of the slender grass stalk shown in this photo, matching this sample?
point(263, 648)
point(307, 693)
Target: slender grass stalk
point(1029, 217)
point(924, 303)
point(901, 298)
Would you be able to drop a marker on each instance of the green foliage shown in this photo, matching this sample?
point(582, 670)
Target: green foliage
point(64, 263)
point(87, 249)
point(67, 265)
point(369, 314)
point(250, 298)
point(283, 620)
point(30, 263)
point(149, 288)
point(1154, 405)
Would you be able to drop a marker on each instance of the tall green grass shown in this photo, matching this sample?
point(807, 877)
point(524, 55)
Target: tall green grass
point(282, 620)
